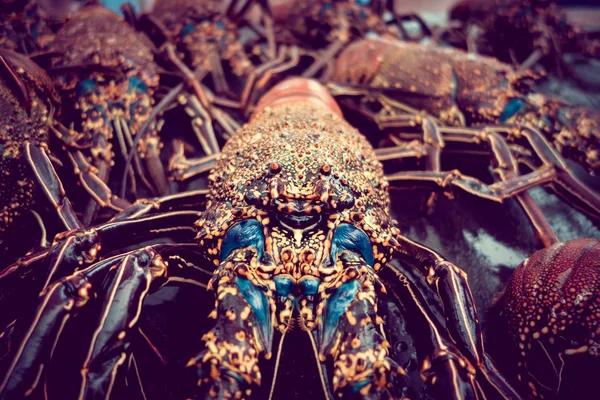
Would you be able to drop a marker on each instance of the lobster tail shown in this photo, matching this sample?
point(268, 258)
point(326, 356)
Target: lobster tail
point(298, 90)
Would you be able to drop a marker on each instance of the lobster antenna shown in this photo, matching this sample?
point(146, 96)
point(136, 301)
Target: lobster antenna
point(277, 359)
point(159, 108)
point(319, 367)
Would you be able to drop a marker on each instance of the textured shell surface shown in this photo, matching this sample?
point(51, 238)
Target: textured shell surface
point(302, 171)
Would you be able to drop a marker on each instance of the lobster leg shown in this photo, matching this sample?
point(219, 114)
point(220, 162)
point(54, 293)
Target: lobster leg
point(450, 282)
point(92, 179)
point(445, 369)
point(244, 312)
point(148, 148)
point(182, 168)
point(562, 176)
point(127, 279)
point(433, 143)
point(160, 107)
point(349, 330)
point(120, 125)
point(122, 145)
point(197, 105)
point(553, 169)
point(259, 79)
point(81, 248)
point(324, 58)
point(190, 200)
point(95, 184)
point(51, 186)
point(505, 168)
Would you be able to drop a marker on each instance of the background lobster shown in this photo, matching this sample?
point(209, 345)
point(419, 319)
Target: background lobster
point(29, 183)
point(545, 34)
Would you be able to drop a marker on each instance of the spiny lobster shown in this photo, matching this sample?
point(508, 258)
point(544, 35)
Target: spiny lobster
point(29, 105)
point(543, 33)
point(295, 229)
point(462, 90)
point(106, 72)
point(297, 226)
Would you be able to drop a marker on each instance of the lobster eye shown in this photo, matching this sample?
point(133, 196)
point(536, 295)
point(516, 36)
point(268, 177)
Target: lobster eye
point(349, 237)
point(245, 233)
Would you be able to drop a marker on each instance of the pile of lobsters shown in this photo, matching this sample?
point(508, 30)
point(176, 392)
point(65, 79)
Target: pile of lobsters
point(364, 205)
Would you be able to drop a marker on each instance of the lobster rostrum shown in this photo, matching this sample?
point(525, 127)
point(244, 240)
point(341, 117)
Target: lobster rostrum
point(296, 230)
point(106, 73)
point(28, 102)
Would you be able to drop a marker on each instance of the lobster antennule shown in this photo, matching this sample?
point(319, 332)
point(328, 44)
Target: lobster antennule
point(298, 90)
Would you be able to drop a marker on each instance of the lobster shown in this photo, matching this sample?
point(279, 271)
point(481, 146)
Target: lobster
point(293, 229)
point(551, 307)
point(106, 73)
point(29, 184)
point(326, 27)
point(25, 26)
point(544, 33)
point(460, 90)
point(204, 41)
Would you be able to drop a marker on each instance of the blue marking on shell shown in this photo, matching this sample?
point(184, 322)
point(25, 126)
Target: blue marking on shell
point(186, 30)
point(248, 232)
point(349, 237)
point(336, 305)
point(283, 285)
point(324, 8)
point(309, 285)
point(136, 84)
point(512, 107)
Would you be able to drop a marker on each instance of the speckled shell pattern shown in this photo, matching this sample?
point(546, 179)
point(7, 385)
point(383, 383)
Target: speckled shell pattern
point(553, 302)
point(442, 78)
point(96, 35)
point(17, 126)
point(555, 291)
point(299, 157)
